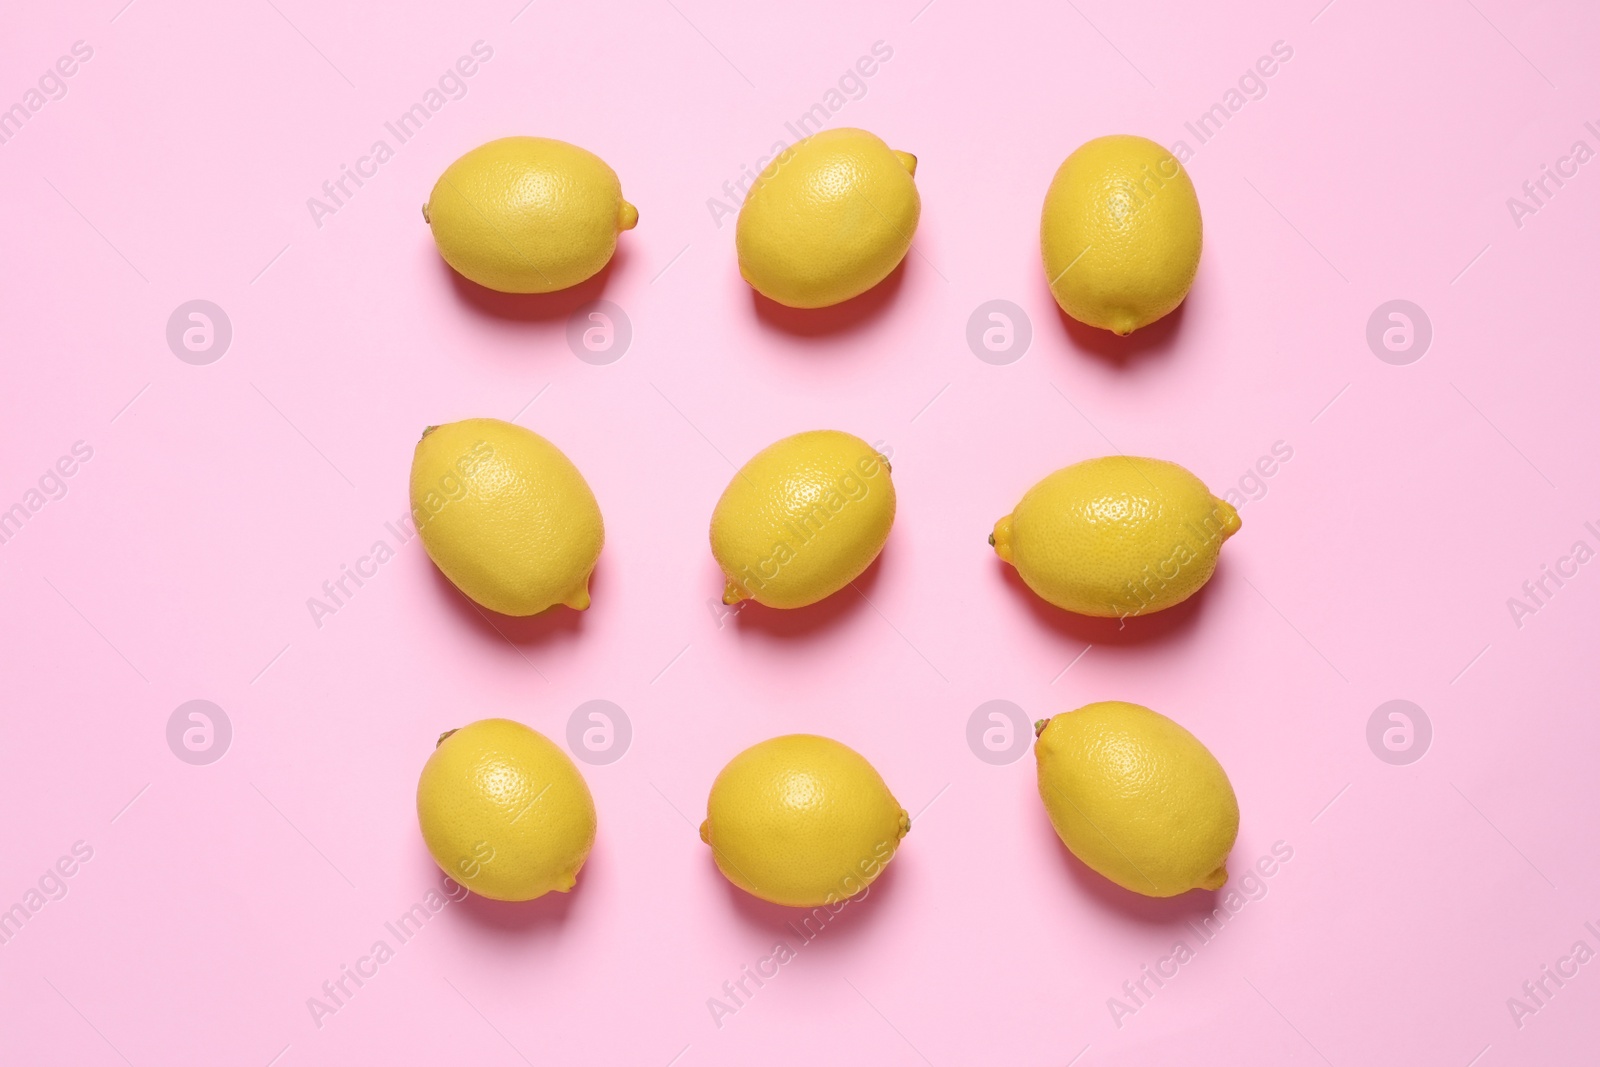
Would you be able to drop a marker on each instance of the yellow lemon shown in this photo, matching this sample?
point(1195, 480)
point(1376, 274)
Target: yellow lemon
point(504, 811)
point(828, 219)
point(1120, 233)
point(1116, 536)
point(802, 519)
point(802, 820)
point(528, 214)
point(1137, 798)
point(505, 516)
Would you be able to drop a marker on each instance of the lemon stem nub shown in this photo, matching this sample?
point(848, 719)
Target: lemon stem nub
point(991, 540)
point(1038, 727)
point(425, 217)
point(442, 736)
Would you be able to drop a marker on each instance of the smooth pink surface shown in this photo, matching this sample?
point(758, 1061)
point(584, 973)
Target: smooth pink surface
point(1377, 566)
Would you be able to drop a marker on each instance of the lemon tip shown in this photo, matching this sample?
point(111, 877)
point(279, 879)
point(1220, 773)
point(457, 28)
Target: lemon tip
point(1000, 539)
point(1231, 522)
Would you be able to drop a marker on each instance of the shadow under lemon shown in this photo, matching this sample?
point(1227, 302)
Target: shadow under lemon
point(834, 321)
point(551, 309)
point(1176, 623)
point(812, 620)
point(1157, 340)
point(543, 915)
point(1175, 912)
point(797, 925)
point(556, 623)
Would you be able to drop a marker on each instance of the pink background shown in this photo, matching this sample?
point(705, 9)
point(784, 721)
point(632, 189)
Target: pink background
point(219, 498)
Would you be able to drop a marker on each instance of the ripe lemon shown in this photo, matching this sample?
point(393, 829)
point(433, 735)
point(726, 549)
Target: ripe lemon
point(505, 516)
point(1116, 536)
point(802, 820)
point(802, 519)
point(528, 214)
point(1120, 233)
point(1136, 797)
point(828, 219)
point(504, 811)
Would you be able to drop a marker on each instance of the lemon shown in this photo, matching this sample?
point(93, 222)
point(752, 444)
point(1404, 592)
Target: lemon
point(1116, 536)
point(802, 519)
point(828, 219)
point(504, 811)
point(505, 516)
point(528, 214)
point(802, 820)
point(1137, 798)
point(1120, 233)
